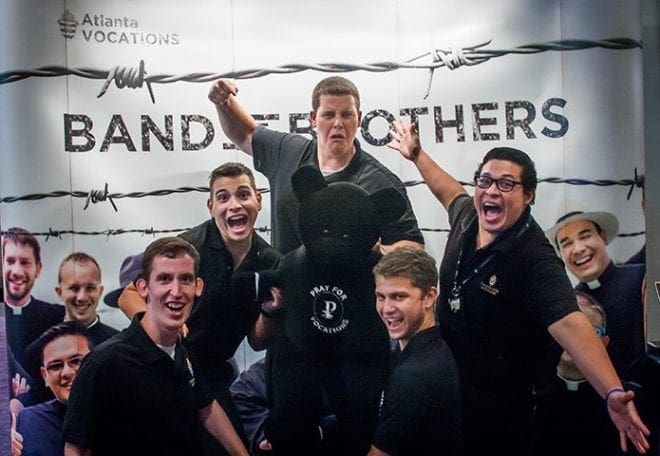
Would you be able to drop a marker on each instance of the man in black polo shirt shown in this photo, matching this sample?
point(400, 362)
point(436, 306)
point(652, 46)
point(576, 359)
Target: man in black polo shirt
point(420, 411)
point(227, 243)
point(507, 305)
point(141, 392)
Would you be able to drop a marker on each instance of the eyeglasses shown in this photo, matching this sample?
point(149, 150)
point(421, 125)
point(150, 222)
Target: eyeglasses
point(600, 330)
point(504, 184)
point(57, 366)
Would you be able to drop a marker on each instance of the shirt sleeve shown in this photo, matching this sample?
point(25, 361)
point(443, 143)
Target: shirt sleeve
point(84, 405)
point(267, 150)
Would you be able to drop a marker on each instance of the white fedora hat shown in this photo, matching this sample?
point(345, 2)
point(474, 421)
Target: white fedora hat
point(606, 221)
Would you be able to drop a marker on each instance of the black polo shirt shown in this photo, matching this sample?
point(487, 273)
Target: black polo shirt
point(219, 321)
point(279, 155)
point(421, 410)
point(130, 397)
point(499, 334)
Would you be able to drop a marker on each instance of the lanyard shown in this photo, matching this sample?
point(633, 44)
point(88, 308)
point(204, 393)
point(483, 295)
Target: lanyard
point(455, 296)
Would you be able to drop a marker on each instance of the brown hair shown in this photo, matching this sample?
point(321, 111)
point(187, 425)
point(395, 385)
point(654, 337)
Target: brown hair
point(77, 257)
point(334, 85)
point(412, 263)
point(231, 169)
point(170, 247)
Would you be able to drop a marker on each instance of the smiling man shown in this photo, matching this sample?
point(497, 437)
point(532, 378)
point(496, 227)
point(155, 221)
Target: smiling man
point(144, 382)
point(26, 317)
point(227, 243)
point(336, 118)
point(420, 412)
point(581, 239)
point(38, 428)
point(507, 306)
point(80, 289)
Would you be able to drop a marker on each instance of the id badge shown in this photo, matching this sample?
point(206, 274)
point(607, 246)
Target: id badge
point(455, 301)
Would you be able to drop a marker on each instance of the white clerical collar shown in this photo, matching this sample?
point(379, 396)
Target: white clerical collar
point(18, 310)
point(593, 284)
point(95, 321)
point(572, 385)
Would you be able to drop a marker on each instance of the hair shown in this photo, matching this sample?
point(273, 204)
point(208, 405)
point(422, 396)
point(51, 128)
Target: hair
point(517, 156)
point(334, 85)
point(411, 263)
point(77, 257)
point(22, 237)
point(231, 169)
point(599, 229)
point(67, 328)
point(170, 247)
point(591, 303)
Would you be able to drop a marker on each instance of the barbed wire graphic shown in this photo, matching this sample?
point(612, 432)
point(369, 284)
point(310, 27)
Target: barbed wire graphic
point(98, 196)
point(452, 59)
point(95, 196)
point(53, 233)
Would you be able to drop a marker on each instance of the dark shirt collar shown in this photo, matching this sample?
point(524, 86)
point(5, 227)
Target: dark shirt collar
point(150, 351)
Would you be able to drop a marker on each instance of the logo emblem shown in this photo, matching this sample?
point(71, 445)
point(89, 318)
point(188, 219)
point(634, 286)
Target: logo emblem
point(68, 24)
point(328, 309)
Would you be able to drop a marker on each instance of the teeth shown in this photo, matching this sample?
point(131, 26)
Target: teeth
point(582, 261)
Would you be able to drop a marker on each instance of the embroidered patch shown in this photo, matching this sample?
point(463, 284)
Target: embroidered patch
point(328, 307)
point(489, 289)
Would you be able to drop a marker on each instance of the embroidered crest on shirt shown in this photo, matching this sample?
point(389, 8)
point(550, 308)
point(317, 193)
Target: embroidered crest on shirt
point(490, 286)
point(328, 307)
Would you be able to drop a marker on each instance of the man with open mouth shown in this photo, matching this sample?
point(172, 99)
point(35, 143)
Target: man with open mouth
point(507, 306)
point(219, 321)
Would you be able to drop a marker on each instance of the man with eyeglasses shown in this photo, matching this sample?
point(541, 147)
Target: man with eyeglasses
point(37, 430)
point(507, 306)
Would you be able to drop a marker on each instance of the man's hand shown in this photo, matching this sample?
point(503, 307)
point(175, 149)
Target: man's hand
point(624, 416)
point(19, 385)
point(220, 92)
point(16, 438)
point(405, 139)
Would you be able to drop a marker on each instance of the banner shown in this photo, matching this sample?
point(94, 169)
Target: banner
point(108, 136)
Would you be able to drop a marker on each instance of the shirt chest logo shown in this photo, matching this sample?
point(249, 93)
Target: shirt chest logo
point(490, 286)
point(328, 309)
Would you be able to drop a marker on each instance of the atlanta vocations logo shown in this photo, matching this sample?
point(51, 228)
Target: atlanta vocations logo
point(113, 30)
point(68, 24)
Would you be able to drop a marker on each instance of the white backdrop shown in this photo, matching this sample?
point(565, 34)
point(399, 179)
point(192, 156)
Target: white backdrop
point(587, 104)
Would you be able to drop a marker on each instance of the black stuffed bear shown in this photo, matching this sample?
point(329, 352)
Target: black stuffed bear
point(333, 356)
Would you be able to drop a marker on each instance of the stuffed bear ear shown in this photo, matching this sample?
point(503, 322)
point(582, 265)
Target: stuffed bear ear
point(390, 204)
point(307, 180)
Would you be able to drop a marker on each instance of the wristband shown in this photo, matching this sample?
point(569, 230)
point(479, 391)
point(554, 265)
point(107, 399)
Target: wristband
point(613, 390)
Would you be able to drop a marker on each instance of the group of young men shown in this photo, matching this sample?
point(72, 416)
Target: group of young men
point(477, 345)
